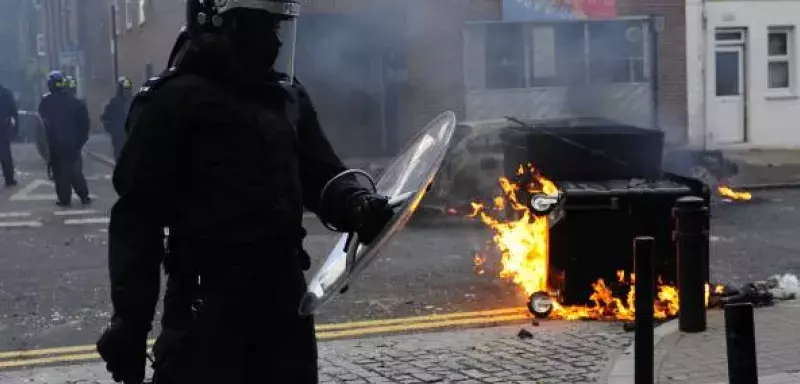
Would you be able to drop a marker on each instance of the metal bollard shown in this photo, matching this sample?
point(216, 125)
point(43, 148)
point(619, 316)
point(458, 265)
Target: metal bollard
point(643, 306)
point(740, 337)
point(691, 234)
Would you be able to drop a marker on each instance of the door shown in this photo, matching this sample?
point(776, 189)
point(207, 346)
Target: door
point(727, 109)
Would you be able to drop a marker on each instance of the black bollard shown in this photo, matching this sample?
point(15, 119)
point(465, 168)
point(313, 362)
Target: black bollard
point(740, 336)
point(691, 235)
point(643, 306)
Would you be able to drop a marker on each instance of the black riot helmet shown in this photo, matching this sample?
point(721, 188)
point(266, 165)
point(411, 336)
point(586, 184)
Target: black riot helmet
point(260, 33)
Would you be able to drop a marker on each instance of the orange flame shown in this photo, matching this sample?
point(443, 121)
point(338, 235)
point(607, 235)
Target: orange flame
point(733, 195)
point(524, 248)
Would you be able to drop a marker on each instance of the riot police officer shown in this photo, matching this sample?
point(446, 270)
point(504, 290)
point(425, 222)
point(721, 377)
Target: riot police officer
point(66, 123)
point(225, 150)
point(9, 123)
point(115, 113)
point(72, 86)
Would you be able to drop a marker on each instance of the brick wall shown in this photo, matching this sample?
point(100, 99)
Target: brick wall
point(672, 61)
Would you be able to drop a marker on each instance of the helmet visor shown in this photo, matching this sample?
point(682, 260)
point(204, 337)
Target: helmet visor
point(285, 8)
point(287, 34)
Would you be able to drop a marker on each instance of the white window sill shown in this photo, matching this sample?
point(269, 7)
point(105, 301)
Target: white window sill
point(785, 95)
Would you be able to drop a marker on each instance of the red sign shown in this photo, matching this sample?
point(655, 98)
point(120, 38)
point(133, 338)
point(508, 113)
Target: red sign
point(594, 9)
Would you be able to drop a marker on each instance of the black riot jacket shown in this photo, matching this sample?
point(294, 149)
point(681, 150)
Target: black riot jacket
point(114, 114)
point(228, 167)
point(66, 121)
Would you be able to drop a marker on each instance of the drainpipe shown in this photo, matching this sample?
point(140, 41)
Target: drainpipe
point(704, 70)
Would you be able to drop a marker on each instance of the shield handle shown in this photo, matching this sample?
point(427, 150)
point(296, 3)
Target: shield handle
point(351, 245)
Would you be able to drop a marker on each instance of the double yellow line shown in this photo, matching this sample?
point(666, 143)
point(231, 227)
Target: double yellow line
point(83, 353)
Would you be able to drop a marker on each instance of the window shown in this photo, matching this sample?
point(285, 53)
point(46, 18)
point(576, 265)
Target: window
point(558, 56)
point(505, 56)
point(118, 11)
point(779, 52)
point(130, 9)
point(520, 55)
point(616, 52)
point(142, 11)
point(728, 68)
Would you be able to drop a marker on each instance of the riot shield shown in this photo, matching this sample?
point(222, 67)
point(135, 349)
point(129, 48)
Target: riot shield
point(405, 181)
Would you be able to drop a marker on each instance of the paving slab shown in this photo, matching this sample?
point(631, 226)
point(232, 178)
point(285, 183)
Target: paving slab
point(701, 358)
point(558, 352)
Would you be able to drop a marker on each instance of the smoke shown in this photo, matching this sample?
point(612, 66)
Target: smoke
point(350, 64)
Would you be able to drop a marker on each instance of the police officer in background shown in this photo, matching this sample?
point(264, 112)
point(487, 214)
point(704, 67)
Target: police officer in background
point(9, 123)
point(225, 150)
point(115, 113)
point(72, 86)
point(66, 123)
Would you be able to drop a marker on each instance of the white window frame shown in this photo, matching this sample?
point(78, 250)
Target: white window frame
point(128, 14)
point(788, 58)
point(142, 11)
point(118, 20)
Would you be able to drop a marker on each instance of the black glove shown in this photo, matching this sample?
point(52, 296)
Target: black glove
point(169, 345)
point(370, 214)
point(124, 349)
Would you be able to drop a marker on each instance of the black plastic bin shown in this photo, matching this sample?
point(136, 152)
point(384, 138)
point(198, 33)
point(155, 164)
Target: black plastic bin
point(595, 239)
point(584, 149)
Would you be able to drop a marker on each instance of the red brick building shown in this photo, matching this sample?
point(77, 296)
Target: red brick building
point(380, 69)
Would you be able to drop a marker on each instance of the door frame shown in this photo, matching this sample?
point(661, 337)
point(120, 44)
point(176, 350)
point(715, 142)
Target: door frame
point(738, 45)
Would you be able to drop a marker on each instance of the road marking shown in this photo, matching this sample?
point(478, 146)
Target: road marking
point(9, 215)
point(324, 332)
point(421, 326)
point(25, 194)
point(20, 224)
point(74, 212)
point(49, 360)
point(309, 215)
point(418, 319)
point(88, 220)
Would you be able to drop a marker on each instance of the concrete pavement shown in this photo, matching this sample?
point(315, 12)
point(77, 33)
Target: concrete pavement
point(700, 358)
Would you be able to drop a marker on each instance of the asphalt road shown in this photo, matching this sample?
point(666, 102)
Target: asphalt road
point(54, 283)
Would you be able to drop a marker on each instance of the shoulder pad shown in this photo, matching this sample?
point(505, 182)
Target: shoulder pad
point(156, 82)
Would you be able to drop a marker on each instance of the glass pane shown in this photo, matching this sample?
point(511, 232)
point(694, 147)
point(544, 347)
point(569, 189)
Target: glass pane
point(543, 51)
point(727, 73)
point(612, 46)
point(778, 74)
point(729, 36)
point(505, 56)
point(778, 43)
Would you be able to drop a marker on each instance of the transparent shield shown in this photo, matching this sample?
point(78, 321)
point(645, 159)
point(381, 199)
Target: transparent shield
point(405, 182)
point(285, 62)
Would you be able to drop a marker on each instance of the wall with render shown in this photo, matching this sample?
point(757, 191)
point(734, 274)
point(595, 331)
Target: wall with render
point(771, 114)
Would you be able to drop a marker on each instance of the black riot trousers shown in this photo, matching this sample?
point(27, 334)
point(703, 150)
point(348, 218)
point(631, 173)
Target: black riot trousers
point(68, 175)
point(5, 158)
point(242, 335)
point(117, 142)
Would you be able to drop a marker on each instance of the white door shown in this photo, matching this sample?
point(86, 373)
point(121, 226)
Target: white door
point(727, 98)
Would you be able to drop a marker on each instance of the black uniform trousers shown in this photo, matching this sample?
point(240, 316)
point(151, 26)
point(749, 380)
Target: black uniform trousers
point(6, 160)
point(68, 175)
